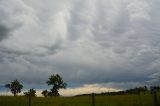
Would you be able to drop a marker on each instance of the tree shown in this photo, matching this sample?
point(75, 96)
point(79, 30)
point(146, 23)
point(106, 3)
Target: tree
point(57, 83)
point(45, 93)
point(15, 87)
point(31, 92)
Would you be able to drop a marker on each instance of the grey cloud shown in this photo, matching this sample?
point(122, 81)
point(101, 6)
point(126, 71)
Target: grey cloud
point(92, 41)
point(121, 85)
point(155, 79)
point(23, 70)
point(3, 32)
point(8, 21)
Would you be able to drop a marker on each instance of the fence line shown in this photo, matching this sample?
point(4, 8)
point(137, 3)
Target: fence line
point(155, 100)
point(93, 99)
point(30, 99)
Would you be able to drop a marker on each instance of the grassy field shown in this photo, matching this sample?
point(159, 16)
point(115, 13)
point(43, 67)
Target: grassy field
point(119, 100)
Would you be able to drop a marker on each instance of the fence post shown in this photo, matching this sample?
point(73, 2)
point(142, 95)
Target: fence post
point(154, 94)
point(93, 99)
point(29, 99)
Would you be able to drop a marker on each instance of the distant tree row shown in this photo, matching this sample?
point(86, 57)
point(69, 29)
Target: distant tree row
point(54, 80)
point(136, 91)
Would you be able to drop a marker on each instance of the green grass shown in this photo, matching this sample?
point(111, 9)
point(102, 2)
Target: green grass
point(119, 100)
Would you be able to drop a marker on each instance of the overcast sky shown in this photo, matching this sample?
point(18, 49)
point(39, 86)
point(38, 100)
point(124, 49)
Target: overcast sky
point(110, 43)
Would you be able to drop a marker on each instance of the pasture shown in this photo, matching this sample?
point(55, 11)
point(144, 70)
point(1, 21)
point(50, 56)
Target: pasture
point(116, 100)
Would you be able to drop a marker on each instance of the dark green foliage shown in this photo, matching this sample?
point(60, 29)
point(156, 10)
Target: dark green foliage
point(57, 83)
point(45, 93)
point(30, 92)
point(137, 90)
point(15, 87)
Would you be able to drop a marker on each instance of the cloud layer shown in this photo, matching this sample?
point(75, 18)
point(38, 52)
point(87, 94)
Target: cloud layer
point(85, 41)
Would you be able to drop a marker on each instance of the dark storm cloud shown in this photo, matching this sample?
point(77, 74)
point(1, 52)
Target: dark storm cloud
point(92, 41)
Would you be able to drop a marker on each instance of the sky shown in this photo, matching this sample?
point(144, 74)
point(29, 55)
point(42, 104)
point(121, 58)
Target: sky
point(93, 44)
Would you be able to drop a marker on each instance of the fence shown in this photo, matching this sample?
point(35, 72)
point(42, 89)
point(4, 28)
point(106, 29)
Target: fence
point(155, 99)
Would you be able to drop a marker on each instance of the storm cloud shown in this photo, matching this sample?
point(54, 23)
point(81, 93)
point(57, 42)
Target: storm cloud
point(108, 42)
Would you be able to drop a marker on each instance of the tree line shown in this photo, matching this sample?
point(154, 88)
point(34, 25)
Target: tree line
point(135, 91)
point(54, 80)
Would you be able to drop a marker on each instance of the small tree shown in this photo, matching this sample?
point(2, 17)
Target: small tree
point(45, 93)
point(15, 87)
point(57, 83)
point(31, 92)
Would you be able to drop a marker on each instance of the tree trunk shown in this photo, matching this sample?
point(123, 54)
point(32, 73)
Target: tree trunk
point(14, 93)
